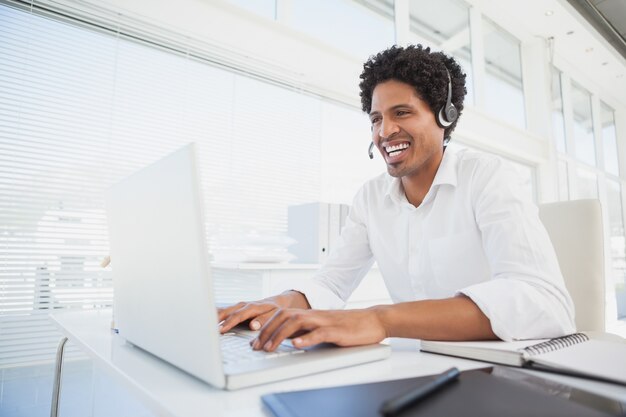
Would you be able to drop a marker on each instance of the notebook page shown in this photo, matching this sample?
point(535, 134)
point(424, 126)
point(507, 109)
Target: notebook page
point(594, 357)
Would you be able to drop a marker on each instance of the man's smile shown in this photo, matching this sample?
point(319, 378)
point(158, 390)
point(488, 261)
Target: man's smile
point(396, 151)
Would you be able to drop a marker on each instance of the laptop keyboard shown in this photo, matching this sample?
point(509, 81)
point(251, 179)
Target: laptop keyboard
point(236, 349)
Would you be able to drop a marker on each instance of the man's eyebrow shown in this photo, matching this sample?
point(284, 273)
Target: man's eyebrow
point(397, 106)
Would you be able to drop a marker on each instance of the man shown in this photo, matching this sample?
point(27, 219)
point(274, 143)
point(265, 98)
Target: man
point(460, 248)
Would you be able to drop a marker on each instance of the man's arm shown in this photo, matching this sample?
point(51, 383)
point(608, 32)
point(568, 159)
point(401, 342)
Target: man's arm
point(526, 297)
point(456, 318)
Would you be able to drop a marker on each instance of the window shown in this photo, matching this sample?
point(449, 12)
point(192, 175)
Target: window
point(346, 136)
point(617, 248)
point(583, 125)
point(586, 184)
point(609, 139)
point(504, 95)
point(558, 121)
point(563, 184)
point(445, 27)
point(82, 109)
point(580, 176)
point(357, 28)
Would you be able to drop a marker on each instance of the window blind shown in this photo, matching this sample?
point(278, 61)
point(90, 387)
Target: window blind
point(80, 109)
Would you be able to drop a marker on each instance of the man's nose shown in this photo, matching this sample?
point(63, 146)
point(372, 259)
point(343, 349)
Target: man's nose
point(388, 128)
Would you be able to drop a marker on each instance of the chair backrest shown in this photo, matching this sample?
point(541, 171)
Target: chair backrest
point(575, 229)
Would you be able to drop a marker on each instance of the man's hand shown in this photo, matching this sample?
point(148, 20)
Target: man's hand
point(456, 318)
point(343, 328)
point(259, 312)
point(289, 315)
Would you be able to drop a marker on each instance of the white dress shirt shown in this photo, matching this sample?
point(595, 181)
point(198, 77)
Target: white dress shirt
point(476, 233)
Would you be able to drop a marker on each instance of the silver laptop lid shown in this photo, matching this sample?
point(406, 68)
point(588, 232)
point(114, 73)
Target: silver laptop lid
point(163, 291)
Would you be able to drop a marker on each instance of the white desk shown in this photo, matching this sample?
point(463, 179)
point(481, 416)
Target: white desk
point(168, 391)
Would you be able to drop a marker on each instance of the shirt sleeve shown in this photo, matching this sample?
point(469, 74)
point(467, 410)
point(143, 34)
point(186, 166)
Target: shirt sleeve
point(526, 297)
point(346, 265)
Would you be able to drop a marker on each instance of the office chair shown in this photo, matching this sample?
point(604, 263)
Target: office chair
point(575, 229)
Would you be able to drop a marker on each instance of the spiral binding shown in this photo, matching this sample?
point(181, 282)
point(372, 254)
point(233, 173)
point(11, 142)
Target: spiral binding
point(555, 344)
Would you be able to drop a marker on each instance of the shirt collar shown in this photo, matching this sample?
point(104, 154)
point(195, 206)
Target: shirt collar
point(446, 174)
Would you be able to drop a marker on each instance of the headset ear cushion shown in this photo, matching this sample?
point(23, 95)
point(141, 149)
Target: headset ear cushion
point(441, 118)
point(451, 113)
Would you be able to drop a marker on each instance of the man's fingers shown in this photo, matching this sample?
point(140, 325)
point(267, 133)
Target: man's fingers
point(244, 313)
point(283, 324)
point(224, 312)
point(259, 321)
point(291, 325)
point(276, 319)
point(314, 337)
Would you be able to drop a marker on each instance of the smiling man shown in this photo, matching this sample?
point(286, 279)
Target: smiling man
point(461, 249)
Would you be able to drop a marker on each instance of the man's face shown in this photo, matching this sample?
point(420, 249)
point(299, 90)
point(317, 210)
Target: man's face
point(404, 130)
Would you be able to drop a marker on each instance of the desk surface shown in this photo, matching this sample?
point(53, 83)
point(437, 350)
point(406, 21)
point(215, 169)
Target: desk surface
point(168, 391)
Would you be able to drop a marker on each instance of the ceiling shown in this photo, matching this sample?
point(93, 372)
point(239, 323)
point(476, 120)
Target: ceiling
point(608, 17)
point(575, 46)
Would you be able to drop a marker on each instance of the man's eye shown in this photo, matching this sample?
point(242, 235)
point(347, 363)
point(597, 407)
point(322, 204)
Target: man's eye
point(401, 112)
point(375, 120)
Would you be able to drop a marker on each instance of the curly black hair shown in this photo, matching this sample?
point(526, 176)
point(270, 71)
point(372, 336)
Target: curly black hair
point(420, 68)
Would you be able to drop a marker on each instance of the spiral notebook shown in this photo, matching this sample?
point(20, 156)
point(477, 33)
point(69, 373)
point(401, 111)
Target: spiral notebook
point(576, 354)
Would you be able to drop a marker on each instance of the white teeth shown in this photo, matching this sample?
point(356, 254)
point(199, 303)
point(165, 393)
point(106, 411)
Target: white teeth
point(393, 149)
point(394, 153)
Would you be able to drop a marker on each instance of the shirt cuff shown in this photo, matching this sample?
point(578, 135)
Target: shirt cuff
point(518, 310)
point(318, 295)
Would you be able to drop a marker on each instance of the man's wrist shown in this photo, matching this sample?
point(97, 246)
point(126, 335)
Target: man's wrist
point(296, 299)
point(383, 313)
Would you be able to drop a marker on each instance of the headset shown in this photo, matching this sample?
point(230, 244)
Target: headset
point(446, 116)
point(448, 113)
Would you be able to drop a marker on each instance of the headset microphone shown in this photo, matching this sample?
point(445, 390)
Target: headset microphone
point(448, 113)
point(370, 152)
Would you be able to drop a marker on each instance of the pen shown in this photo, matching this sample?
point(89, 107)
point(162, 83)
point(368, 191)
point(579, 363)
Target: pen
point(394, 405)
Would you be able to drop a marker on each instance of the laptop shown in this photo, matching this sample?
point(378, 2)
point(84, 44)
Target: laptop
point(164, 300)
